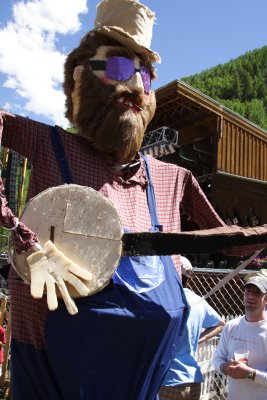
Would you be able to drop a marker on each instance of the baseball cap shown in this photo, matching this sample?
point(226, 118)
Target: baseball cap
point(258, 281)
point(187, 268)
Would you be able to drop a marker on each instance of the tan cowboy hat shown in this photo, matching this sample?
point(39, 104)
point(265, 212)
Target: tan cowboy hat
point(129, 22)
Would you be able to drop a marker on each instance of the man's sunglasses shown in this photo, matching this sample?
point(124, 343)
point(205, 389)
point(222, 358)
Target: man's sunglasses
point(121, 69)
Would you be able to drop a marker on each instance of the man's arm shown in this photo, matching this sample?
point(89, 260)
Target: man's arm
point(209, 333)
point(226, 366)
point(241, 370)
point(212, 323)
point(220, 360)
point(260, 377)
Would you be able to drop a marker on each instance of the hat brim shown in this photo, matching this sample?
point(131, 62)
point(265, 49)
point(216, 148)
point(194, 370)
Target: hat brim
point(259, 286)
point(125, 39)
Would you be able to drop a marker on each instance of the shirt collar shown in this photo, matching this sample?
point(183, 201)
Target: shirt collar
point(123, 173)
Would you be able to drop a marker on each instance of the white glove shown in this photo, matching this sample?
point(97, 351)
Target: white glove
point(50, 267)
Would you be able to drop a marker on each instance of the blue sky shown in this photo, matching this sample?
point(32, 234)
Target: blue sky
point(190, 35)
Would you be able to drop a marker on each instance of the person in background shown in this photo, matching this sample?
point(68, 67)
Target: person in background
point(183, 380)
point(247, 374)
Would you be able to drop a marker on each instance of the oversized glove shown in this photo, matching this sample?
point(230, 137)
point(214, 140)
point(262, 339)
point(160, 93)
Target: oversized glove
point(50, 267)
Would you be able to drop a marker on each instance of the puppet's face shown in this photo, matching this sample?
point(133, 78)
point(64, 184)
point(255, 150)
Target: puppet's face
point(112, 102)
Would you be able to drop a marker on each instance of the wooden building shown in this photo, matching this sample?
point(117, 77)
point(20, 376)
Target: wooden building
point(226, 152)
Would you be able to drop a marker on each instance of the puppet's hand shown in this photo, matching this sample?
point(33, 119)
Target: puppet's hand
point(49, 267)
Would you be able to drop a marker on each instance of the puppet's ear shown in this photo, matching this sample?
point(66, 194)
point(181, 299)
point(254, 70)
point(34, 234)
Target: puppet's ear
point(77, 72)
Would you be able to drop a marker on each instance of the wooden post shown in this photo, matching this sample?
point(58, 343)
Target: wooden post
point(3, 309)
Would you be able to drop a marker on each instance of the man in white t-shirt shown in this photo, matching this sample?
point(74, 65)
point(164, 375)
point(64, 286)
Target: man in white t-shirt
point(248, 374)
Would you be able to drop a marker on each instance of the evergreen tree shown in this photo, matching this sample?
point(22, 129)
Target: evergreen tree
point(240, 84)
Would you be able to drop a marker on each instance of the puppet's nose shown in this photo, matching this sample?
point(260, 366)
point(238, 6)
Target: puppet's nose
point(135, 83)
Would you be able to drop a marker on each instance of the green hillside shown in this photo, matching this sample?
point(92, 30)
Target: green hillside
point(240, 85)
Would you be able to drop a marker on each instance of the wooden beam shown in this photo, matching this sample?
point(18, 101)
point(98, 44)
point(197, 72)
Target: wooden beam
point(194, 242)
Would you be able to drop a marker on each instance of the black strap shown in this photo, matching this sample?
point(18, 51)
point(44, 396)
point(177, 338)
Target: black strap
point(60, 155)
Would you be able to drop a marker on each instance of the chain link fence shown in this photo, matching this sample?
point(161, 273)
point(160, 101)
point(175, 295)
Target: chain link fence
point(228, 300)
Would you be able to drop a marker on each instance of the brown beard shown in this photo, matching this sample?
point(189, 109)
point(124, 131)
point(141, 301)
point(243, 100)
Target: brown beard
point(113, 130)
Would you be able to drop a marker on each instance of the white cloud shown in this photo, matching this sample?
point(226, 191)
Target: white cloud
point(28, 54)
point(7, 106)
point(14, 108)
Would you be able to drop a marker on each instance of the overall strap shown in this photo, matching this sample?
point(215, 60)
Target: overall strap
point(151, 200)
point(60, 155)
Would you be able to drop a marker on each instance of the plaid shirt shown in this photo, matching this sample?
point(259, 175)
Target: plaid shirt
point(173, 185)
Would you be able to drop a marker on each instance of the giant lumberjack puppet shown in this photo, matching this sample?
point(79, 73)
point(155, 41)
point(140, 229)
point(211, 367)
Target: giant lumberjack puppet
point(120, 343)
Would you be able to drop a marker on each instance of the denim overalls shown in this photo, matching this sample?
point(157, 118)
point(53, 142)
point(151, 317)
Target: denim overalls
point(120, 344)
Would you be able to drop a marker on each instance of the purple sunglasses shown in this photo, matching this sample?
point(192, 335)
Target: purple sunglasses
point(122, 69)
